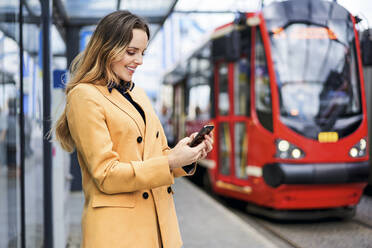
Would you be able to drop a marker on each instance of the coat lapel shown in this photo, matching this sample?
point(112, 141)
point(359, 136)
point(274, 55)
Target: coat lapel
point(122, 103)
point(140, 97)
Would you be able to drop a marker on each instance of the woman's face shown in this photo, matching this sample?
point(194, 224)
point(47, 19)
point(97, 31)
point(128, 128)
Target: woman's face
point(127, 64)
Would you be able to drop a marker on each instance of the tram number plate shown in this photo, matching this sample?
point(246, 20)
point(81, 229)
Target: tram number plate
point(328, 137)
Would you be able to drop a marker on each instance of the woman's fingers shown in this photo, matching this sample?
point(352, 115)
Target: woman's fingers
point(201, 146)
point(209, 143)
point(192, 136)
point(185, 140)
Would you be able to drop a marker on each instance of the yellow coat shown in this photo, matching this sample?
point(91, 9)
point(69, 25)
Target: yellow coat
point(125, 172)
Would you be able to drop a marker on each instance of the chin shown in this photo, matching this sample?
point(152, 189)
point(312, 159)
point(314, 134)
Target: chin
point(126, 79)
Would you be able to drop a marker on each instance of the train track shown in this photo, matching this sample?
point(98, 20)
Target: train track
point(286, 235)
point(277, 234)
point(278, 238)
point(362, 223)
point(324, 233)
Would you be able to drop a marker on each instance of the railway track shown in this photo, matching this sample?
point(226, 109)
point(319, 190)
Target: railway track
point(278, 235)
point(362, 223)
point(354, 232)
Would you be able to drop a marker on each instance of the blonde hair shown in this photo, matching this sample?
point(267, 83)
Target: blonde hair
point(93, 66)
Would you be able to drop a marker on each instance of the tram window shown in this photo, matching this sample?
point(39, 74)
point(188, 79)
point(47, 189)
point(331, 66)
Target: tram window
point(224, 148)
point(241, 147)
point(223, 95)
point(356, 106)
point(203, 64)
point(199, 107)
point(241, 87)
point(193, 65)
point(317, 78)
point(262, 86)
point(205, 69)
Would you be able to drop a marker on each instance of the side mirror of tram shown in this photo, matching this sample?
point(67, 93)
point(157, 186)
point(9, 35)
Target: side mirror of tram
point(366, 47)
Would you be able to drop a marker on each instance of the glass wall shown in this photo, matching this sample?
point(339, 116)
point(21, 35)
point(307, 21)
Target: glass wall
point(12, 154)
point(32, 108)
point(9, 126)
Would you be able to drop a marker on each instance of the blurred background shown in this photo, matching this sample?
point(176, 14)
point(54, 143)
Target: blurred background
point(222, 62)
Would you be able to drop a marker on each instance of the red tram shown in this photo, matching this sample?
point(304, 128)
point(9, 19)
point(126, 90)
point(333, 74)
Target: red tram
point(284, 88)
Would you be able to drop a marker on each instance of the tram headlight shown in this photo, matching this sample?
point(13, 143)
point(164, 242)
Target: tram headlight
point(283, 145)
point(286, 150)
point(296, 153)
point(359, 149)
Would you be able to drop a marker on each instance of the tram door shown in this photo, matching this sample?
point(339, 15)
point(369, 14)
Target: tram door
point(232, 84)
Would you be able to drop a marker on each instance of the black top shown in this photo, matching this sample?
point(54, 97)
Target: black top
point(123, 89)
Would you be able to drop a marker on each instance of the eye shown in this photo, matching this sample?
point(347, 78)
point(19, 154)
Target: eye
point(130, 53)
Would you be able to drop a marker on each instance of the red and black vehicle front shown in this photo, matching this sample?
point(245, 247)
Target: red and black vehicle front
point(302, 145)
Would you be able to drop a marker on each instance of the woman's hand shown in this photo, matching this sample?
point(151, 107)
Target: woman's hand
point(182, 154)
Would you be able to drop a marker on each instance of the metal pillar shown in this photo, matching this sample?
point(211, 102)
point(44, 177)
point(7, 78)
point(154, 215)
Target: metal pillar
point(73, 48)
point(46, 6)
point(22, 129)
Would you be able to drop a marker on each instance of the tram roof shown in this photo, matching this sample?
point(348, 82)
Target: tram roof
point(305, 10)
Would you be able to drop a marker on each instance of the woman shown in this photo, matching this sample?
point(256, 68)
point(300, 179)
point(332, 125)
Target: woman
point(127, 167)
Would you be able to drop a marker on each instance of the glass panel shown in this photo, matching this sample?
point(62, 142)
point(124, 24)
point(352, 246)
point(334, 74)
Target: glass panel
point(321, 94)
point(33, 145)
point(179, 112)
point(34, 7)
point(89, 8)
point(58, 45)
point(9, 7)
point(9, 128)
point(98, 8)
point(144, 8)
point(204, 65)
point(199, 108)
point(241, 87)
point(193, 65)
point(241, 148)
point(262, 86)
point(31, 36)
point(224, 148)
point(223, 96)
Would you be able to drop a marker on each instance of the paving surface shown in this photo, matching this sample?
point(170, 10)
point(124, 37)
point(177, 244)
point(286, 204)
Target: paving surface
point(203, 221)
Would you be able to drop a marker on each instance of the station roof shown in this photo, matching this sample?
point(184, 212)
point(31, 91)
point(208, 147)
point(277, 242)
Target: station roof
point(89, 12)
point(79, 13)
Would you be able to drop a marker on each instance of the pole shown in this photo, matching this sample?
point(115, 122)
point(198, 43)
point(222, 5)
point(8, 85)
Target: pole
point(46, 16)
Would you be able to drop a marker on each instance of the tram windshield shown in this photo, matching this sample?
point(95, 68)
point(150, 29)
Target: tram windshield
point(317, 77)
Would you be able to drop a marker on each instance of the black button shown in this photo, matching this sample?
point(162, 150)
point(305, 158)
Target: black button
point(139, 139)
point(157, 134)
point(145, 195)
point(169, 190)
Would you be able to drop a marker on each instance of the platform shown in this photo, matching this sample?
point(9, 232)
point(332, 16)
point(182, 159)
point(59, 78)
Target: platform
point(203, 221)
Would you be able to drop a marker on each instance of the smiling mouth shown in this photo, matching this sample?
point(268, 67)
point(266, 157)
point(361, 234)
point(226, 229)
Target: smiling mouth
point(130, 69)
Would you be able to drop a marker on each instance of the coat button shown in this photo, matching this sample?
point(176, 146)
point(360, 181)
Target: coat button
point(157, 134)
point(169, 190)
point(145, 195)
point(139, 139)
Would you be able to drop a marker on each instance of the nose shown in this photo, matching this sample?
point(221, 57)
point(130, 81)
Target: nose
point(139, 59)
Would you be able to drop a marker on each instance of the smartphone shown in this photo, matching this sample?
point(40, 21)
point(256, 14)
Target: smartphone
point(200, 136)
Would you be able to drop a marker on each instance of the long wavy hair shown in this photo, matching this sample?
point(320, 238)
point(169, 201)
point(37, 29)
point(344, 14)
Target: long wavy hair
point(93, 66)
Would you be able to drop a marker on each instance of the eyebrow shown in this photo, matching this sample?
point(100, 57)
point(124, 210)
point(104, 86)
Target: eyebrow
point(136, 48)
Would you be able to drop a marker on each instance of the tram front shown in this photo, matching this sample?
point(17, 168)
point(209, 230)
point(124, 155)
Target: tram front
point(319, 109)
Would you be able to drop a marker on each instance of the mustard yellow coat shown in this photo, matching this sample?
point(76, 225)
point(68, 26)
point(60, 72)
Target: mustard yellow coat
point(125, 172)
